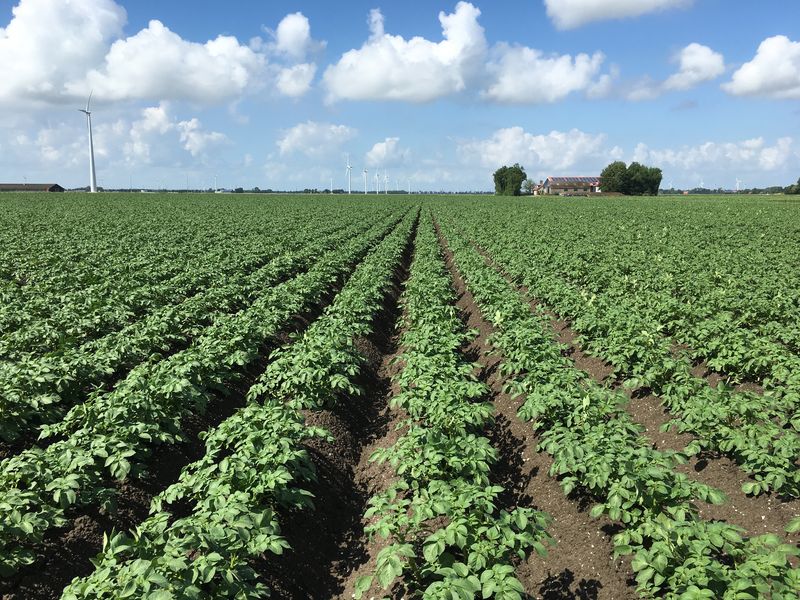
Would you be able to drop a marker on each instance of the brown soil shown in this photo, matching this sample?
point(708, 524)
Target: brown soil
point(66, 553)
point(756, 515)
point(767, 513)
point(328, 567)
point(580, 564)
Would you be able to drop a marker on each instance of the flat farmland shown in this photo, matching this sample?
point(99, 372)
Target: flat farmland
point(331, 396)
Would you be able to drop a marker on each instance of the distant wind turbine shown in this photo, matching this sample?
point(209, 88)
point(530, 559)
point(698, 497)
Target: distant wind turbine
point(365, 181)
point(738, 184)
point(349, 168)
point(92, 176)
point(377, 179)
point(385, 182)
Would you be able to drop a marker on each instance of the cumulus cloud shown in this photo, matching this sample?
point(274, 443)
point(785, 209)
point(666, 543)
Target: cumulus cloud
point(526, 75)
point(557, 150)
point(292, 38)
point(568, 14)
point(50, 42)
point(314, 139)
point(697, 63)
point(55, 52)
point(158, 63)
point(157, 128)
point(744, 155)
point(389, 67)
point(774, 72)
point(296, 80)
point(387, 153)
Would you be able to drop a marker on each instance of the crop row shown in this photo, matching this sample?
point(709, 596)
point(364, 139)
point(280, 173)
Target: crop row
point(597, 448)
point(57, 320)
point(448, 537)
point(225, 508)
point(110, 436)
point(39, 389)
point(760, 432)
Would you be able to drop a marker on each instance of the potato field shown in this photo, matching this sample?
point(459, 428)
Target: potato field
point(442, 397)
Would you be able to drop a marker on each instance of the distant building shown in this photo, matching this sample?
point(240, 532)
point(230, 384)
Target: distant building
point(566, 186)
point(30, 187)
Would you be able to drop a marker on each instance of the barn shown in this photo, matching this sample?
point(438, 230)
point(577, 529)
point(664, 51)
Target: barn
point(30, 187)
point(570, 185)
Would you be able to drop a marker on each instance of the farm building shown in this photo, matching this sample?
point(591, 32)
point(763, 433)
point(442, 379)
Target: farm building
point(569, 185)
point(30, 187)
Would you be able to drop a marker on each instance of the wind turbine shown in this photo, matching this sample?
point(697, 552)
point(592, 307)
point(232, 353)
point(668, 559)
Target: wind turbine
point(738, 184)
point(385, 182)
point(92, 176)
point(349, 168)
point(365, 181)
point(377, 179)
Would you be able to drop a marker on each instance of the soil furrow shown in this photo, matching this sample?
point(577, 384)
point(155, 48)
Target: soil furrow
point(581, 564)
point(767, 513)
point(329, 544)
point(66, 553)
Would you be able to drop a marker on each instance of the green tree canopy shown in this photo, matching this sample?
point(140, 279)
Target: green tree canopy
point(635, 179)
point(508, 180)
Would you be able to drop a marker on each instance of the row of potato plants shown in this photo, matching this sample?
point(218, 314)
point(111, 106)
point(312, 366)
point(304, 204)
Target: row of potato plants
point(40, 389)
point(596, 447)
point(448, 538)
point(224, 511)
point(110, 436)
point(760, 432)
point(121, 271)
point(125, 286)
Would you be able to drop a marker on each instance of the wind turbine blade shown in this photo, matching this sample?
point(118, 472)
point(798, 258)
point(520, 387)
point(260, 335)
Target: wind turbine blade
point(89, 100)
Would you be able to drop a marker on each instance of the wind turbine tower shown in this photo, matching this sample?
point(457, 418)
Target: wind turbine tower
point(738, 184)
point(349, 168)
point(92, 175)
point(365, 181)
point(377, 179)
point(385, 182)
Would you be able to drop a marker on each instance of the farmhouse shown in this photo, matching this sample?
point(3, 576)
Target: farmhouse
point(569, 185)
point(30, 187)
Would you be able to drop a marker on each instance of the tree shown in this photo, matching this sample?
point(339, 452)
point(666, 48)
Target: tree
point(635, 179)
point(793, 189)
point(614, 178)
point(527, 186)
point(508, 180)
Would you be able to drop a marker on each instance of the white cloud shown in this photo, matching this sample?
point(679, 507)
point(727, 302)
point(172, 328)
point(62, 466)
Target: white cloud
point(698, 63)
point(158, 63)
point(568, 14)
point(389, 67)
point(774, 72)
point(195, 140)
point(526, 75)
point(50, 42)
point(387, 153)
point(314, 139)
point(293, 37)
point(603, 87)
point(715, 156)
point(557, 151)
point(55, 52)
point(156, 130)
point(296, 80)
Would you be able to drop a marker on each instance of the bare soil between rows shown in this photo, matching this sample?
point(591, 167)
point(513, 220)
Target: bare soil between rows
point(66, 553)
point(581, 563)
point(767, 513)
point(329, 547)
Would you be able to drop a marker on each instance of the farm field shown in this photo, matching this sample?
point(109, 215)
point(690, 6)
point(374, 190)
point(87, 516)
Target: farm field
point(246, 396)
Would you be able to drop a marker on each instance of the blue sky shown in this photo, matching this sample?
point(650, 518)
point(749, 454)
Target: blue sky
point(434, 95)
